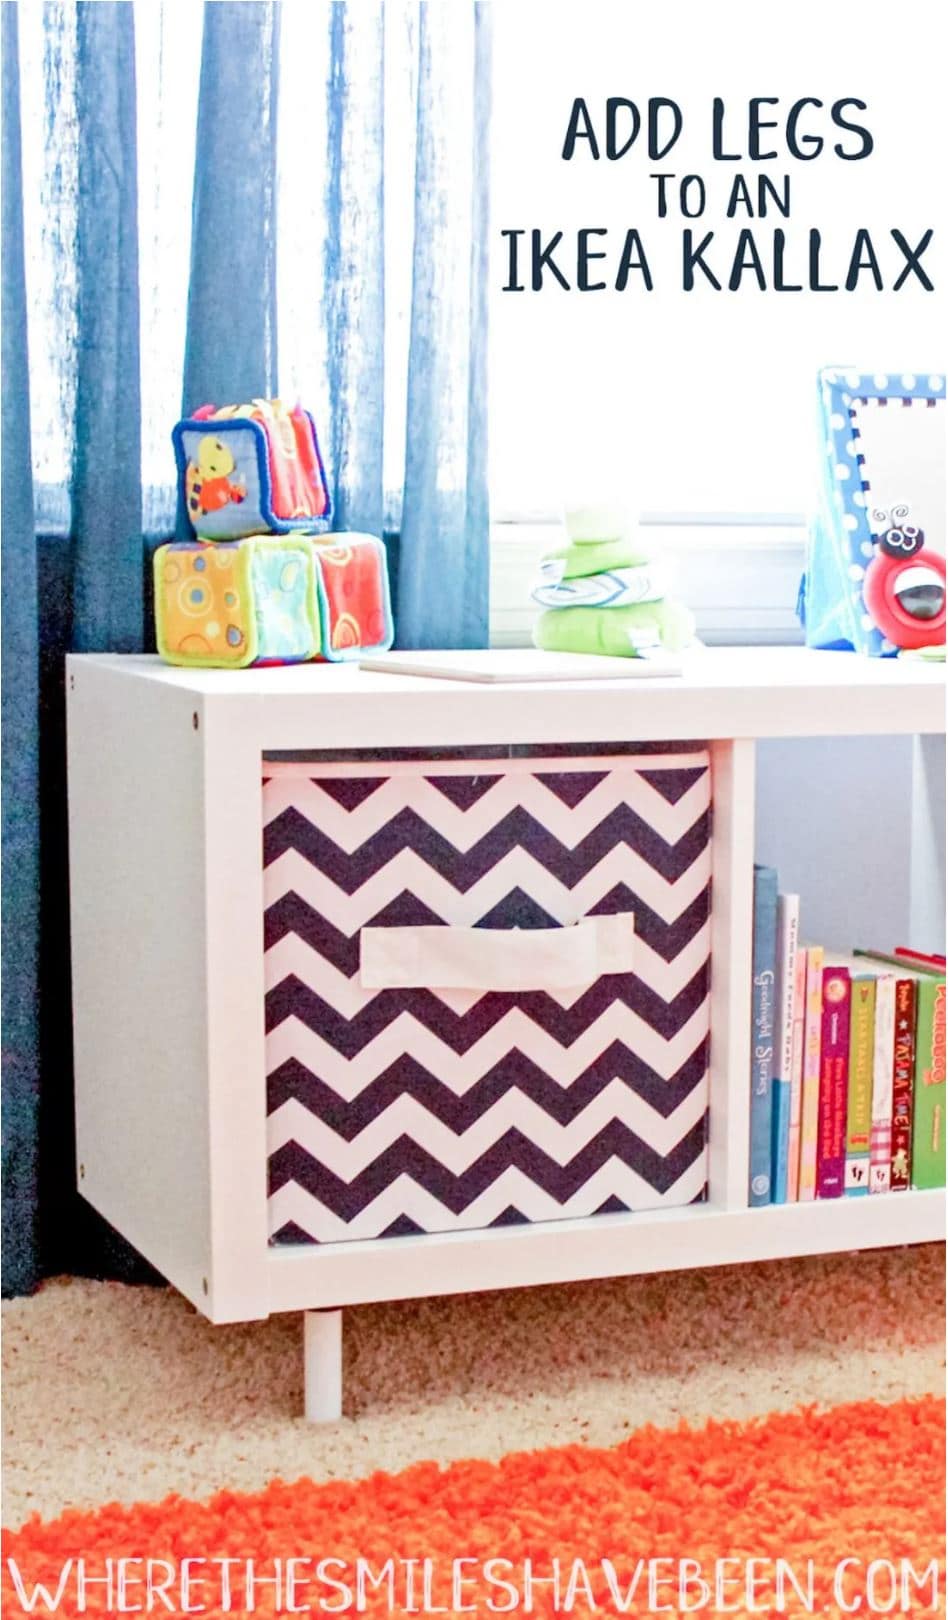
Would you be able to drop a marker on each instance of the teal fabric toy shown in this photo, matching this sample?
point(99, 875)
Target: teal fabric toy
point(603, 593)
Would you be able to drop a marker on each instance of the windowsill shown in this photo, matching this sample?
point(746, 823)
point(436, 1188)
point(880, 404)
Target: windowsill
point(739, 576)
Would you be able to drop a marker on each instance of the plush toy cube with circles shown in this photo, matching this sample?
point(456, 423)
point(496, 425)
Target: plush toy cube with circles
point(234, 603)
point(271, 599)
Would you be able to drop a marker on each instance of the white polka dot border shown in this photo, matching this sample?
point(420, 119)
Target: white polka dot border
point(845, 396)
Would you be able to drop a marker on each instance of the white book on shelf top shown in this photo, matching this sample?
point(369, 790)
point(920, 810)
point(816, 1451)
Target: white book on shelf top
point(521, 664)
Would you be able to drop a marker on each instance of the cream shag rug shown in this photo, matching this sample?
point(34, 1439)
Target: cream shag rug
point(127, 1394)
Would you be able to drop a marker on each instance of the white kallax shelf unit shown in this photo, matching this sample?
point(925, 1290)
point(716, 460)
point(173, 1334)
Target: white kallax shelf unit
point(168, 971)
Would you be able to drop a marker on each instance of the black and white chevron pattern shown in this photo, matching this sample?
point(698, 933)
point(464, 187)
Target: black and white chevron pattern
point(398, 1111)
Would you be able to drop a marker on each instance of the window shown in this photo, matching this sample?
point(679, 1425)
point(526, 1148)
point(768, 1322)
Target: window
point(700, 404)
point(168, 61)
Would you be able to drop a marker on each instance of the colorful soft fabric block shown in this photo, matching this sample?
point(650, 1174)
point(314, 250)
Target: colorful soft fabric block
point(353, 593)
point(233, 604)
point(245, 469)
point(271, 599)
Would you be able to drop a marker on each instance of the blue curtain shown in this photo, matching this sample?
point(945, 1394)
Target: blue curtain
point(231, 346)
point(338, 249)
point(105, 490)
point(447, 382)
point(20, 727)
point(353, 269)
point(437, 512)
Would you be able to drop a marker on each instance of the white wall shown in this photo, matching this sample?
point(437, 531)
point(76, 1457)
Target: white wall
point(835, 816)
point(928, 843)
point(701, 401)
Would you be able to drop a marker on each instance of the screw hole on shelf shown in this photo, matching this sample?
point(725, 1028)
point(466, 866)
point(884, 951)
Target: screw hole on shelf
point(204, 1284)
point(194, 720)
point(82, 1172)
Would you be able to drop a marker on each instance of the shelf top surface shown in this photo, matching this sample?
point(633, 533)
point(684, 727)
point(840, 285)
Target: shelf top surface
point(722, 691)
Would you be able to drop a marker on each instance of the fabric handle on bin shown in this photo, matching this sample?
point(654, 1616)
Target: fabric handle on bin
point(444, 958)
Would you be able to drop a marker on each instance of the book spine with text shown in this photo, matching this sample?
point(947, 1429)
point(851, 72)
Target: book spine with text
point(903, 1080)
point(883, 1057)
point(788, 923)
point(834, 1083)
point(796, 1074)
point(810, 1101)
point(763, 1012)
point(928, 1125)
point(859, 1094)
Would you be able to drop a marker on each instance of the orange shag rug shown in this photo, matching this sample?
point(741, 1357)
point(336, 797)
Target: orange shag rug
point(824, 1512)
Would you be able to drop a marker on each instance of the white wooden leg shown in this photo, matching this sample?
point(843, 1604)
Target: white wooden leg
point(322, 1366)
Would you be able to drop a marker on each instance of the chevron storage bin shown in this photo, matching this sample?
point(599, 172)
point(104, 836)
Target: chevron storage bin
point(487, 990)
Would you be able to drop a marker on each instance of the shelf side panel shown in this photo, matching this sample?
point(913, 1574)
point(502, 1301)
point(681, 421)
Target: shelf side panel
point(136, 852)
point(732, 867)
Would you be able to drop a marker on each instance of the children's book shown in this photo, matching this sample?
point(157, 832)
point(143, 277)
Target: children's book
point(863, 977)
point(903, 1083)
point(928, 1128)
point(926, 1114)
point(883, 1058)
point(788, 923)
point(763, 1013)
point(834, 1082)
point(862, 1018)
point(810, 1100)
point(796, 1074)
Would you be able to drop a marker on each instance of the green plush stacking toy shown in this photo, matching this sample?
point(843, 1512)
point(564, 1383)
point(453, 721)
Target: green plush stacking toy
point(602, 592)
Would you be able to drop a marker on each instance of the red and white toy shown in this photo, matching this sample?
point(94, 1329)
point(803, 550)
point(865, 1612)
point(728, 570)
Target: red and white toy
point(904, 591)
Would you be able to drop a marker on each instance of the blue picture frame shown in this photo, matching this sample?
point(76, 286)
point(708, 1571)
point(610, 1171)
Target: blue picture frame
point(832, 606)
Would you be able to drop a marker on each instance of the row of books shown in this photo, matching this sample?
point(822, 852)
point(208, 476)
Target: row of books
point(847, 1063)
